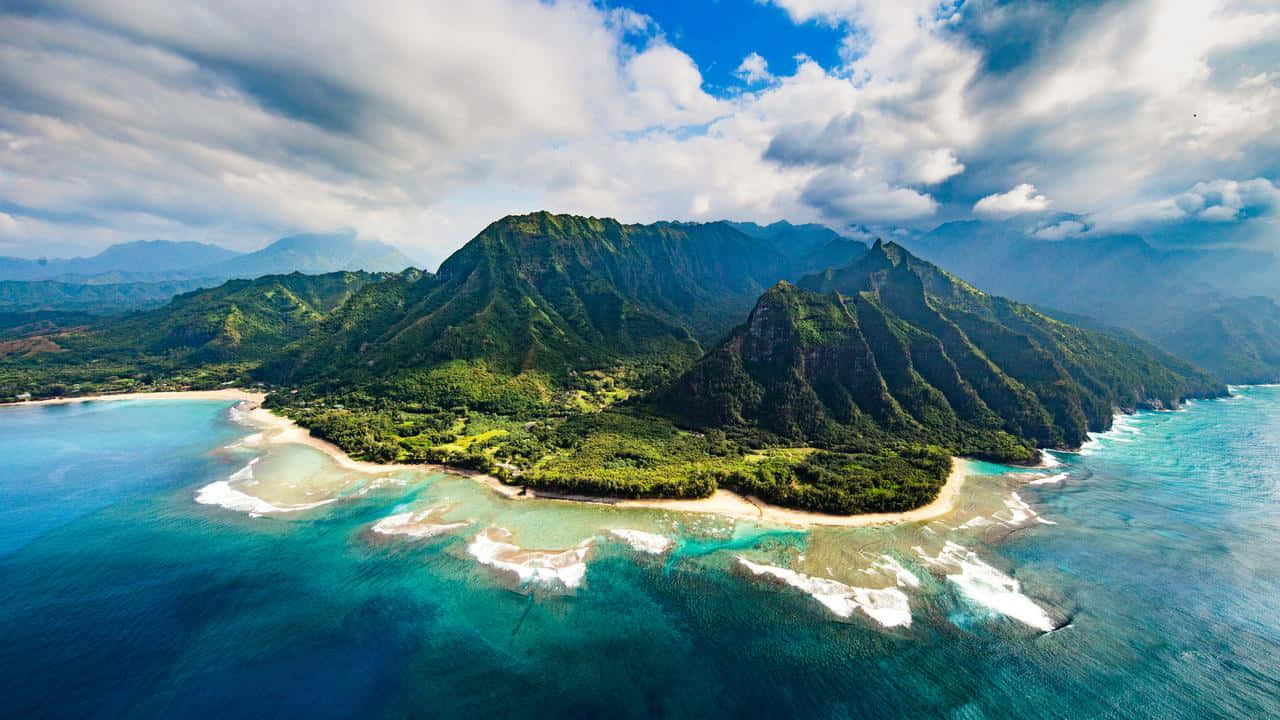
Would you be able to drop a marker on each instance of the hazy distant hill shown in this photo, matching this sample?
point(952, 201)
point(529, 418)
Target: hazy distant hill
point(18, 296)
point(143, 257)
point(314, 254)
point(1202, 305)
point(141, 275)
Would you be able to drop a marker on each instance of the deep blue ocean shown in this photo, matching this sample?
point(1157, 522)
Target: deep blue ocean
point(1155, 554)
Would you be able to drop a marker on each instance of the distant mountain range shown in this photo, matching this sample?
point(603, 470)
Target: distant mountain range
point(571, 352)
point(138, 275)
point(1217, 308)
point(142, 259)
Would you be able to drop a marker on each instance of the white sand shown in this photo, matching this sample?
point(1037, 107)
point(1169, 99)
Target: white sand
point(224, 394)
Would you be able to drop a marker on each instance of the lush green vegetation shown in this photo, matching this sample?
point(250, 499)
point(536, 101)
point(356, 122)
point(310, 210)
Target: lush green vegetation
point(199, 340)
point(49, 295)
point(566, 354)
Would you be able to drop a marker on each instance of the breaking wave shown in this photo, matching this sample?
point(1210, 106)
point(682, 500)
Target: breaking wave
point(984, 585)
point(545, 567)
point(887, 606)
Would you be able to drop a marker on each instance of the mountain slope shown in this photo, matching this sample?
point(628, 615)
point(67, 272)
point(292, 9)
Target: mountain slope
point(50, 295)
point(237, 325)
point(554, 293)
point(891, 347)
point(1194, 304)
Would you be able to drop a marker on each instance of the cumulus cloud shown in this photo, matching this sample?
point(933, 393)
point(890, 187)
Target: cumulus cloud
point(416, 122)
point(1021, 199)
point(842, 194)
point(1214, 201)
point(241, 121)
point(1222, 200)
point(754, 69)
point(1061, 230)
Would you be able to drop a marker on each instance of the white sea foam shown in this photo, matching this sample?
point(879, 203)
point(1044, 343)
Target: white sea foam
point(244, 474)
point(1050, 479)
point(887, 606)
point(545, 567)
point(415, 524)
point(1049, 460)
point(1123, 427)
point(1018, 512)
point(249, 441)
point(1126, 425)
point(651, 543)
point(986, 586)
point(237, 414)
point(223, 494)
point(977, 521)
point(890, 565)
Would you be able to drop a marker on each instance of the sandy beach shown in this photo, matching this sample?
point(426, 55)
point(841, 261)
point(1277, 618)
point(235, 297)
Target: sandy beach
point(277, 429)
point(222, 394)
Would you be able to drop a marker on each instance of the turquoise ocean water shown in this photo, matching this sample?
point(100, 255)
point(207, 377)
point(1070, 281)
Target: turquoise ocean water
point(1152, 556)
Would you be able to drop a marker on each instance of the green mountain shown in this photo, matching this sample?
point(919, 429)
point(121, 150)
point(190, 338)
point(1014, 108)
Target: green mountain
point(1200, 305)
point(555, 293)
point(892, 347)
point(202, 336)
point(50, 295)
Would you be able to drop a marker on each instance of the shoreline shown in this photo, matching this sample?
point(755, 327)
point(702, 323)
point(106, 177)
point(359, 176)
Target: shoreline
point(221, 394)
point(277, 429)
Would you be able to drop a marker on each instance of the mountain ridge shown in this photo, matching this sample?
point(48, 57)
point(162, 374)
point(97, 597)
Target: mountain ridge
point(893, 346)
point(1204, 306)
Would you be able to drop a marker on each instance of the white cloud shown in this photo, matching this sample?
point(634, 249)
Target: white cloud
point(930, 167)
point(209, 117)
point(1060, 230)
point(1021, 199)
point(420, 122)
point(856, 195)
point(754, 69)
point(1216, 201)
point(8, 225)
point(1227, 199)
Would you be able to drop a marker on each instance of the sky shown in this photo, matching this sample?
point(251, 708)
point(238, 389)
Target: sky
point(419, 122)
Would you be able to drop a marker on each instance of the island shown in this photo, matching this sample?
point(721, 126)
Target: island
point(582, 357)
